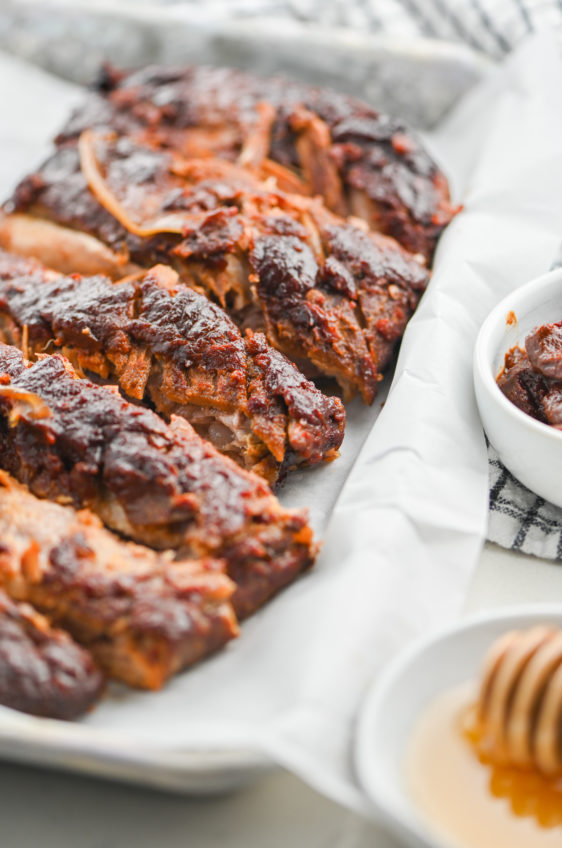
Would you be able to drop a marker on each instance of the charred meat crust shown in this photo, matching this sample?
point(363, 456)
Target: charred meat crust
point(160, 484)
point(326, 293)
point(175, 349)
point(42, 670)
point(372, 288)
point(361, 161)
point(142, 616)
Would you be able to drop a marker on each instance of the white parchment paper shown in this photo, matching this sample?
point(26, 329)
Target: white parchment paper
point(403, 512)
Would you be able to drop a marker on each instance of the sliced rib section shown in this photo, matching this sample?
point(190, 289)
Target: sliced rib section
point(333, 297)
point(42, 670)
point(172, 348)
point(141, 615)
point(160, 484)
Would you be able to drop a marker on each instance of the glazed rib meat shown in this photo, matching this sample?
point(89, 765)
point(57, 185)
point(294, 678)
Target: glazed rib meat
point(141, 615)
point(160, 484)
point(42, 670)
point(172, 347)
point(312, 140)
point(330, 295)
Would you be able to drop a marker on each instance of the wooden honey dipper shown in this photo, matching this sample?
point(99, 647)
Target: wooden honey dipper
point(519, 708)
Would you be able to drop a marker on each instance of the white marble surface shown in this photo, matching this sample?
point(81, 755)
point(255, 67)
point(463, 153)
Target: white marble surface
point(56, 810)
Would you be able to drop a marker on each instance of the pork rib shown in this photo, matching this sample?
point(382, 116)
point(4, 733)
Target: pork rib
point(333, 297)
point(142, 616)
point(310, 139)
point(42, 670)
point(160, 484)
point(172, 347)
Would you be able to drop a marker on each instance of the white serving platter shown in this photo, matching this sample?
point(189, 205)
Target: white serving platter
point(419, 80)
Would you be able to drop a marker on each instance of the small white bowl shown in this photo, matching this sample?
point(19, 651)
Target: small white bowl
point(397, 699)
point(531, 450)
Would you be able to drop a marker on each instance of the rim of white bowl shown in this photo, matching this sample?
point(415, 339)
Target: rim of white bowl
point(405, 820)
point(483, 356)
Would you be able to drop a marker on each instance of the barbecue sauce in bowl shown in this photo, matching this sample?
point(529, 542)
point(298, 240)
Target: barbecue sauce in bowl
point(531, 377)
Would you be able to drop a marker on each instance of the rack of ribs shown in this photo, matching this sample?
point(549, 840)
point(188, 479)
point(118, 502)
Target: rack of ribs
point(142, 616)
point(159, 484)
point(330, 295)
point(313, 141)
point(42, 670)
point(171, 347)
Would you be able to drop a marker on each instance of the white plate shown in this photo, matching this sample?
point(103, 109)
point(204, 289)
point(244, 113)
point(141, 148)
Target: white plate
point(422, 78)
point(398, 698)
point(64, 745)
point(531, 450)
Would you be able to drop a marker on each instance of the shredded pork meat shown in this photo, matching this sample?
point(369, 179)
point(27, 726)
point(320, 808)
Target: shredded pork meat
point(331, 296)
point(315, 141)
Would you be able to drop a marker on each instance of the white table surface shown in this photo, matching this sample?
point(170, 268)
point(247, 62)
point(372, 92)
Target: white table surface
point(56, 810)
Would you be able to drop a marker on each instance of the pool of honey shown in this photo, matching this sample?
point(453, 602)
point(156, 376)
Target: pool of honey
point(470, 802)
